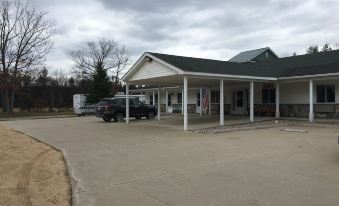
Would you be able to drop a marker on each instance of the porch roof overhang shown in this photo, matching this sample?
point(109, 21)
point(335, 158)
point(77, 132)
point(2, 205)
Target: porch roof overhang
point(176, 78)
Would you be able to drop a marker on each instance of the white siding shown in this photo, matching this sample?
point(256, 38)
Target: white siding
point(151, 70)
point(298, 92)
point(294, 93)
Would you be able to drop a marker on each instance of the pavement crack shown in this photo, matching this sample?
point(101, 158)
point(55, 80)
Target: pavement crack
point(151, 196)
point(121, 183)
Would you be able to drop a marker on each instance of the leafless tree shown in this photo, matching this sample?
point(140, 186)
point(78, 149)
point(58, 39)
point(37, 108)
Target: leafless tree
point(106, 54)
point(60, 77)
point(25, 40)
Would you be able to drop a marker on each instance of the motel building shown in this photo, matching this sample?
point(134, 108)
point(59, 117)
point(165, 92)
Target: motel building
point(252, 83)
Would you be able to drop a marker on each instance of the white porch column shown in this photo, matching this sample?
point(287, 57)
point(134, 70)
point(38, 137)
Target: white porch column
point(222, 123)
point(277, 100)
point(209, 102)
point(153, 98)
point(251, 101)
point(127, 103)
point(166, 101)
point(185, 104)
point(311, 115)
point(159, 98)
point(182, 101)
point(200, 101)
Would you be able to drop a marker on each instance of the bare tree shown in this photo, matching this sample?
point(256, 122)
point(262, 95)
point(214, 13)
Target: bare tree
point(25, 35)
point(336, 46)
point(60, 77)
point(106, 54)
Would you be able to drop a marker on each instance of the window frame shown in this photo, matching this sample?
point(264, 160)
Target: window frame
point(270, 94)
point(156, 98)
point(151, 99)
point(326, 88)
point(215, 97)
point(169, 100)
point(179, 98)
point(198, 99)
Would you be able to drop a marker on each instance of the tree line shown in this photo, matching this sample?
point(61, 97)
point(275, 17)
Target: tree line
point(25, 41)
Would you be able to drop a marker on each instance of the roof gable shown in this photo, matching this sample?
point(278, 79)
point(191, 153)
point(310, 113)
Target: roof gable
point(254, 55)
point(152, 69)
point(149, 66)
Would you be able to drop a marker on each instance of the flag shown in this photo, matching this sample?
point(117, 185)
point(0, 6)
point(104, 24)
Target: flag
point(205, 100)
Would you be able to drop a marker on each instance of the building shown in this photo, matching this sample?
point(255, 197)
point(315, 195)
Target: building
point(252, 83)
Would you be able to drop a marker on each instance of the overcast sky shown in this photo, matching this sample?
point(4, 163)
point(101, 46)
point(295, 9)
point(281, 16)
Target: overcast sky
point(199, 28)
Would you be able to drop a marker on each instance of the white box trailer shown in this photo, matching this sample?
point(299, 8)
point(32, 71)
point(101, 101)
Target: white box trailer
point(80, 105)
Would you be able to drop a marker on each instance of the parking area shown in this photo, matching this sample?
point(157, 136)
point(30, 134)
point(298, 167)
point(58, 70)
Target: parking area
point(151, 163)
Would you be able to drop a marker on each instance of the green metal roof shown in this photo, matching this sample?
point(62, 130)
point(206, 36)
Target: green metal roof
point(251, 55)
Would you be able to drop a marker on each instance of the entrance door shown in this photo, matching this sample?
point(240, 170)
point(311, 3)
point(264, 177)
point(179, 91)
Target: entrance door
point(238, 103)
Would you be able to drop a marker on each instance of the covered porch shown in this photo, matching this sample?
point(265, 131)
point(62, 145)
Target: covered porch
point(219, 101)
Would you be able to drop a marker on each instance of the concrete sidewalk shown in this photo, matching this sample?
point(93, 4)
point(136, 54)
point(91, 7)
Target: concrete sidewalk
point(148, 163)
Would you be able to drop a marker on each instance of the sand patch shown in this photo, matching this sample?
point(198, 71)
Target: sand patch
point(31, 173)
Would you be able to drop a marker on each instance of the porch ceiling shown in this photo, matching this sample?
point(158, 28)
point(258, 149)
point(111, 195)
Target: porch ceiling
point(177, 80)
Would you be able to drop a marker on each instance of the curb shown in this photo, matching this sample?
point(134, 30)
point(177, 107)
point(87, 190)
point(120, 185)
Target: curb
point(36, 117)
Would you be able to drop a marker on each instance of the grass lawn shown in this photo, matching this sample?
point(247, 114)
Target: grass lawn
point(33, 114)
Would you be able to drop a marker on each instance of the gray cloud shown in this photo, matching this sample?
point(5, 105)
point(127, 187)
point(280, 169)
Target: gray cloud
point(210, 29)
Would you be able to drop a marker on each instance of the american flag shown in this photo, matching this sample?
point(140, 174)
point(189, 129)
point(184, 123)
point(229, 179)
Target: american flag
point(205, 94)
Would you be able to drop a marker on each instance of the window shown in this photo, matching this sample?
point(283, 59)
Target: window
point(325, 93)
point(179, 98)
point(156, 98)
point(215, 97)
point(240, 98)
point(198, 99)
point(151, 99)
point(169, 100)
point(268, 94)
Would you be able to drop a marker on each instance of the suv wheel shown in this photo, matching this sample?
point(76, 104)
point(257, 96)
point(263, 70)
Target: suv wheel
point(119, 117)
point(150, 115)
point(138, 117)
point(107, 118)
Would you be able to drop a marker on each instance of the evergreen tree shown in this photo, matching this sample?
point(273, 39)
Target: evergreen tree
point(312, 49)
point(326, 48)
point(101, 85)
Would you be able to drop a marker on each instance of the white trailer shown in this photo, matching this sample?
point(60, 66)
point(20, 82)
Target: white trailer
point(80, 105)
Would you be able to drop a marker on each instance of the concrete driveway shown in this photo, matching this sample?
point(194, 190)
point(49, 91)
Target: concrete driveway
point(150, 164)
